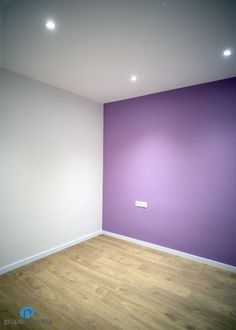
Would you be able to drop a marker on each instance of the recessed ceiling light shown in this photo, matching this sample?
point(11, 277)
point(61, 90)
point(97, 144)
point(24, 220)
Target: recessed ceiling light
point(133, 78)
point(50, 25)
point(227, 52)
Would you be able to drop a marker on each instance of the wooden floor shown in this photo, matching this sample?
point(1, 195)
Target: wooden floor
point(106, 283)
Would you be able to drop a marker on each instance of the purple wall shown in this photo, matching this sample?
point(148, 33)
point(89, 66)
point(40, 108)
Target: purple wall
point(177, 151)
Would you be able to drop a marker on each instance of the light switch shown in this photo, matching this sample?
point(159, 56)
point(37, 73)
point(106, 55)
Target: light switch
point(141, 204)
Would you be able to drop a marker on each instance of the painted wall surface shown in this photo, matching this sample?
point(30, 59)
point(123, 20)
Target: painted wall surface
point(51, 145)
point(177, 151)
point(0, 39)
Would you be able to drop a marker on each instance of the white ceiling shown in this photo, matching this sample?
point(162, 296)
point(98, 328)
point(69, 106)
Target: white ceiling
point(99, 44)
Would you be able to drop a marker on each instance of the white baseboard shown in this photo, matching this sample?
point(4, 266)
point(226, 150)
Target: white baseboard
point(43, 254)
point(63, 246)
point(172, 251)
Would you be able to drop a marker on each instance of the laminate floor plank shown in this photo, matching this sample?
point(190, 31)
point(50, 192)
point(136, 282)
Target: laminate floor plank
point(107, 283)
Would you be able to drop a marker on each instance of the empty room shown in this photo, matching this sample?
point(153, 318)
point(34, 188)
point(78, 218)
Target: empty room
point(118, 164)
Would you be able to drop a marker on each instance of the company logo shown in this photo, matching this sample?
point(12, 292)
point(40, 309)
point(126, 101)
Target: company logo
point(25, 318)
point(26, 312)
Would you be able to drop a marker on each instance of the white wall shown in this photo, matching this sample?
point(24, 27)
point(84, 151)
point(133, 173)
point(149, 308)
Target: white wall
point(50, 167)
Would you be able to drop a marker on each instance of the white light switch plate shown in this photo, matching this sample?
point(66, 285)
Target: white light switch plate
point(141, 204)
